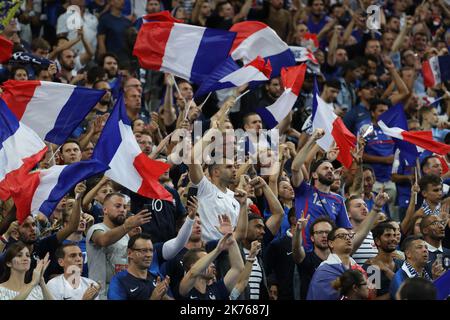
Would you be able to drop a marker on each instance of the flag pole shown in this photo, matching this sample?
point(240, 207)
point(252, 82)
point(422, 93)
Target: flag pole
point(203, 103)
point(239, 97)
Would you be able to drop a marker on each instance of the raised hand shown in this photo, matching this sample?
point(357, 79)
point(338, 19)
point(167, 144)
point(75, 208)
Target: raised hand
point(333, 153)
point(241, 196)
point(226, 241)
point(225, 226)
point(258, 182)
point(192, 207)
point(92, 292)
point(317, 134)
point(254, 249)
point(160, 289)
point(138, 219)
point(301, 223)
point(80, 189)
point(381, 199)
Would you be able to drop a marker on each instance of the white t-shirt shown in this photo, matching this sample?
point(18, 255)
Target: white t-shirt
point(212, 203)
point(35, 294)
point(105, 262)
point(61, 289)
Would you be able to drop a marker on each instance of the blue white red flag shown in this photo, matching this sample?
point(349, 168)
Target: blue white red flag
point(436, 70)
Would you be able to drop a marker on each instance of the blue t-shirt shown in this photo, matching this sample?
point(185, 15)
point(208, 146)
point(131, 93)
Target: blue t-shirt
point(356, 117)
point(404, 188)
point(284, 224)
point(216, 291)
point(317, 204)
point(125, 286)
point(370, 203)
point(379, 144)
point(114, 29)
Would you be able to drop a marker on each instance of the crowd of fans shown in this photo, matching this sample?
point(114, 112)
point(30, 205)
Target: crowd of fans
point(311, 229)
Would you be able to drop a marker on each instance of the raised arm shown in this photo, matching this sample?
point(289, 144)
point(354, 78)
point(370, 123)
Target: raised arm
point(240, 232)
point(299, 160)
point(87, 199)
point(398, 42)
point(236, 265)
point(403, 90)
point(242, 15)
point(298, 252)
point(195, 168)
point(405, 225)
point(170, 115)
point(74, 219)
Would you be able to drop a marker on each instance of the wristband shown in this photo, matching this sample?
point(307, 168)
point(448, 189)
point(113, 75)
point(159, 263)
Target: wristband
point(250, 259)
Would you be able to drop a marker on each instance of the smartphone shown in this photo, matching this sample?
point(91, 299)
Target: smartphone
point(192, 192)
point(148, 207)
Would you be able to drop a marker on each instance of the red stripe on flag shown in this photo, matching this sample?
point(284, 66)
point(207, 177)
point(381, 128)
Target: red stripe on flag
point(14, 179)
point(151, 43)
point(261, 65)
point(6, 49)
point(244, 30)
point(23, 195)
point(163, 16)
point(422, 139)
point(428, 77)
point(293, 77)
point(345, 140)
point(17, 95)
point(150, 170)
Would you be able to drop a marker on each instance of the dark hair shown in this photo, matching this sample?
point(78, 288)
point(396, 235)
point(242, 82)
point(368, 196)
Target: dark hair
point(136, 237)
point(425, 222)
point(247, 115)
point(70, 141)
point(253, 216)
point(106, 55)
point(367, 167)
point(40, 43)
point(59, 253)
point(373, 103)
point(319, 220)
point(12, 251)
point(333, 84)
point(344, 284)
point(316, 164)
point(114, 194)
point(94, 85)
point(332, 234)
point(191, 257)
point(380, 229)
point(349, 200)
point(18, 67)
point(425, 161)
point(429, 179)
point(407, 243)
point(417, 289)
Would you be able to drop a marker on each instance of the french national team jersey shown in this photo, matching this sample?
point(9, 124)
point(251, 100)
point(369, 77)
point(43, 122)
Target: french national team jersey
point(125, 286)
point(311, 201)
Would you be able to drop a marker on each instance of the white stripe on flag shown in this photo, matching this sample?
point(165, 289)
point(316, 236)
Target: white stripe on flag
point(48, 180)
point(324, 119)
point(181, 49)
point(122, 169)
point(244, 75)
point(435, 69)
point(264, 43)
point(22, 144)
point(281, 108)
point(43, 109)
point(394, 132)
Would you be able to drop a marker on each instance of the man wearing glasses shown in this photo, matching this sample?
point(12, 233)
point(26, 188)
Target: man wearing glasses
point(340, 242)
point(432, 228)
point(136, 282)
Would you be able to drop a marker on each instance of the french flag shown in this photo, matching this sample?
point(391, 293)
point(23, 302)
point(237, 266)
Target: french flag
point(254, 39)
point(229, 74)
point(42, 190)
point(52, 110)
point(323, 117)
point(436, 70)
point(20, 150)
point(6, 48)
point(391, 126)
point(128, 165)
point(292, 79)
point(187, 51)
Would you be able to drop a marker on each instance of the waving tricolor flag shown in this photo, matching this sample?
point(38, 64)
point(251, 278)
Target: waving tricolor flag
point(436, 70)
point(6, 48)
point(20, 150)
point(257, 39)
point(129, 166)
point(292, 79)
point(42, 190)
point(187, 51)
point(229, 74)
point(52, 110)
point(323, 117)
point(392, 122)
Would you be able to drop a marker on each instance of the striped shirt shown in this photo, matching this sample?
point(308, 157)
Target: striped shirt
point(366, 250)
point(256, 276)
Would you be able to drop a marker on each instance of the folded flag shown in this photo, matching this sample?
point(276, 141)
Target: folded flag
point(25, 58)
point(292, 79)
point(20, 150)
point(391, 125)
point(128, 165)
point(442, 285)
point(187, 51)
point(323, 117)
point(436, 70)
point(254, 39)
point(229, 74)
point(52, 110)
point(41, 191)
point(6, 48)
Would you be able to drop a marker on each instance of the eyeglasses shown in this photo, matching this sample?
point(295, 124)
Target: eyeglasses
point(322, 232)
point(143, 250)
point(436, 223)
point(345, 236)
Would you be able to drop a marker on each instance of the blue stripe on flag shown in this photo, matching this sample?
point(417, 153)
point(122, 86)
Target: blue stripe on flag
point(267, 117)
point(8, 122)
point(278, 61)
point(77, 107)
point(444, 67)
point(214, 48)
point(68, 179)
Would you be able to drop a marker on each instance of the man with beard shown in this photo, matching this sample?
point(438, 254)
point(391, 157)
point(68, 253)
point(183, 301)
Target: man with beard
point(110, 63)
point(316, 199)
point(308, 262)
point(66, 60)
point(415, 265)
point(107, 241)
point(369, 195)
point(40, 247)
point(383, 265)
point(196, 284)
point(432, 228)
point(137, 282)
point(104, 105)
point(273, 90)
